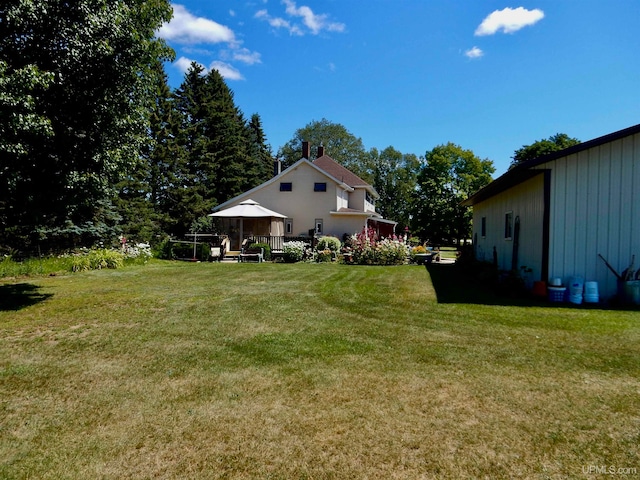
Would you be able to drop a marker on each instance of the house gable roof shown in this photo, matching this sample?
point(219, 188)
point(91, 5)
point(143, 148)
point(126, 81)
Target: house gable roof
point(278, 178)
point(525, 170)
point(333, 168)
point(336, 170)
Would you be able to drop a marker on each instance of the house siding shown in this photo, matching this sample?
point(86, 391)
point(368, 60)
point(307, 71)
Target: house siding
point(595, 198)
point(303, 205)
point(526, 201)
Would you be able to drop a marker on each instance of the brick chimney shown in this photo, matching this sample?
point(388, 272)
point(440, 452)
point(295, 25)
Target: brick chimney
point(320, 151)
point(305, 150)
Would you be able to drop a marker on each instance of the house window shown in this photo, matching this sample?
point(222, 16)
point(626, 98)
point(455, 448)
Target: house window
point(319, 187)
point(508, 225)
point(318, 223)
point(288, 226)
point(370, 198)
point(483, 227)
point(286, 186)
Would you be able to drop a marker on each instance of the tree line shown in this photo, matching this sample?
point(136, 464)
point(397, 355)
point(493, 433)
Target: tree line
point(95, 144)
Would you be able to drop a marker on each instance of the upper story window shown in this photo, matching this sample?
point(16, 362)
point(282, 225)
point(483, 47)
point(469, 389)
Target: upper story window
point(286, 186)
point(320, 187)
point(483, 227)
point(370, 199)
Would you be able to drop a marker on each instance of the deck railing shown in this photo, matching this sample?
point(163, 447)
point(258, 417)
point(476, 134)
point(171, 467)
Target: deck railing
point(276, 242)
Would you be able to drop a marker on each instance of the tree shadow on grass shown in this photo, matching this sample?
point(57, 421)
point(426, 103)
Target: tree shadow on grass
point(453, 284)
point(20, 295)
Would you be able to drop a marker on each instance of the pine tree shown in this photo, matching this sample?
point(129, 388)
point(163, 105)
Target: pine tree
point(220, 154)
point(260, 168)
point(142, 194)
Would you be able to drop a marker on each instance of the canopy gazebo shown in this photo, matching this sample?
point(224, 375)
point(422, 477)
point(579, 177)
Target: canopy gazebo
point(249, 218)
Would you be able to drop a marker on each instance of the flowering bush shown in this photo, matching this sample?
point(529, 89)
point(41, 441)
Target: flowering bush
point(417, 251)
point(367, 249)
point(293, 251)
point(138, 253)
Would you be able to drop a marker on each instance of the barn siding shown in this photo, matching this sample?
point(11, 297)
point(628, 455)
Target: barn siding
point(595, 198)
point(526, 201)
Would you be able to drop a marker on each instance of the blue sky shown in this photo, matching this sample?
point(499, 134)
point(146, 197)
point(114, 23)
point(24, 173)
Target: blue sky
point(490, 76)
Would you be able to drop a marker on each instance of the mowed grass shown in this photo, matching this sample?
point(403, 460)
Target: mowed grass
point(305, 371)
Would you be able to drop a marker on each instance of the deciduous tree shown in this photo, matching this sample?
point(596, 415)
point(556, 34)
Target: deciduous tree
point(89, 65)
point(448, 176)
point(539, 148)
point(395, 179)
point(340, 144)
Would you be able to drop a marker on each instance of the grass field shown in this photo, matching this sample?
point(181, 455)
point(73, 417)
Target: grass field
point(308, 371)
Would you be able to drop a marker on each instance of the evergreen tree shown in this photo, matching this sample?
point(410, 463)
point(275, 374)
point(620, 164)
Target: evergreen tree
point(142, 194)
point(261, 160)
point(220, 154)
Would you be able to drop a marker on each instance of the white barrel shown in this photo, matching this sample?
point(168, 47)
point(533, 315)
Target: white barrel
point(575, 285)
point(591, 294)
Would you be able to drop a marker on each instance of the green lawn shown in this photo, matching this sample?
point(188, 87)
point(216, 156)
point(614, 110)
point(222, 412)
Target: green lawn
point(307, 371)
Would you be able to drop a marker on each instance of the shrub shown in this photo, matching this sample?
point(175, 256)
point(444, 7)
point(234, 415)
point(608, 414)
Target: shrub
point(265, 247)
point(329, 243)
point(324, 255)
point(184, 250)
point(414, 241)
point(97, 259)
point(163, 249)
point(293, 251)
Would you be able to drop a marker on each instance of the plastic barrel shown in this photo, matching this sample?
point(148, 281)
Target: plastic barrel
point(591, 294)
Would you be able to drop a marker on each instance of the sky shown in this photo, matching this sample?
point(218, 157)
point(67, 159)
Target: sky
point(489, 76)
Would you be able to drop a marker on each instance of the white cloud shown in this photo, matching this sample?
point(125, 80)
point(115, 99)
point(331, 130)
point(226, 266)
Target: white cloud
point(183, 64)
point(509, 20)
point(246, 56)
point(315, 23)
point(186, 28)
point(474, 52)
point(277, 22)
point(227, 71)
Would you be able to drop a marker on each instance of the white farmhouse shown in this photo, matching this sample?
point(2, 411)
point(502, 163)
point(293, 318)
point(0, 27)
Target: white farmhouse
point(320, 197)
